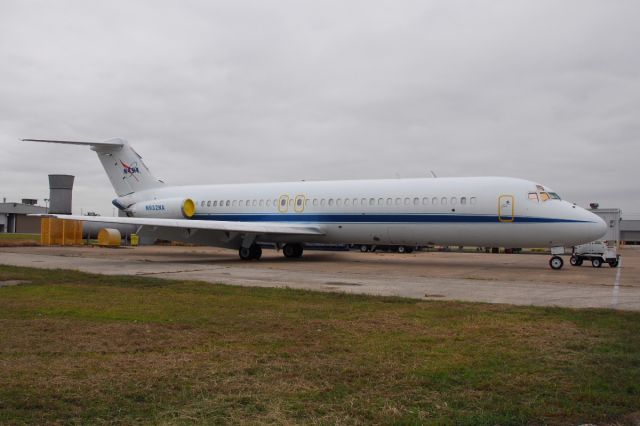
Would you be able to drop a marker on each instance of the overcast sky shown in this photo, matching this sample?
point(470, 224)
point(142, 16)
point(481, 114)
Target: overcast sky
point(238, 91)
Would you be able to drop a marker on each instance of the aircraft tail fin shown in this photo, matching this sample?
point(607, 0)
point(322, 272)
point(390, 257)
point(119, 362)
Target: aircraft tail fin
point(124, 166)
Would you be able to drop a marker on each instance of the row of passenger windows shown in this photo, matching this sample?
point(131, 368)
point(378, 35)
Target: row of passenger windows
point(298, 202)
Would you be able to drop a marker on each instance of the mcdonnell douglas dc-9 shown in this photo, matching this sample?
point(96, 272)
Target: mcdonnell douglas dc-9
point(470, 211)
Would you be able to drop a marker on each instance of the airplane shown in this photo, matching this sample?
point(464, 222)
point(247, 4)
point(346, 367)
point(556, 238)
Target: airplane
point(462, 211)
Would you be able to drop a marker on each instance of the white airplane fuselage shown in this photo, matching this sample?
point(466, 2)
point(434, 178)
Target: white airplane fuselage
point(474, 211)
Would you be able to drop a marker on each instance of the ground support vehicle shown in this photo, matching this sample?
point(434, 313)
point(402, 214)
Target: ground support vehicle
point(597, 252)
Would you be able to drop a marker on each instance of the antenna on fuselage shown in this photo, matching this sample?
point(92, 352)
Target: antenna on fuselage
point(433, 174)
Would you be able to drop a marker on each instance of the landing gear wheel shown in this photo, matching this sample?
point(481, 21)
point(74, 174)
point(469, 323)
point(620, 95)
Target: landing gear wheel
point(256, 252)
point(556, 262)
point(292, 250)
point(401, 249)
point(575, 261)
point(245, 253)
point(250, 253)
point(364, 248)
point(596, 262)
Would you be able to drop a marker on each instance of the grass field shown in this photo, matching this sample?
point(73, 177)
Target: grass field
point(79, 348)
point(10, 240)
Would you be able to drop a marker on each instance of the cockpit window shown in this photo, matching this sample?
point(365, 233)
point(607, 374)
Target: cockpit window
point(533, 196)
point(554, 196)
point(544, 196)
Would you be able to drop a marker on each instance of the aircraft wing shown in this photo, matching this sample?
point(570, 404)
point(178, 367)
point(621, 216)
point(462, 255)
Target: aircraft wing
point(215, 225)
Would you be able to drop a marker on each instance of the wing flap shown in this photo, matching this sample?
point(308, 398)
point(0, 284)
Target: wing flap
point(216, 225)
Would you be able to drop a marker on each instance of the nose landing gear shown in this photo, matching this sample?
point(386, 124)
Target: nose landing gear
point(556, 262)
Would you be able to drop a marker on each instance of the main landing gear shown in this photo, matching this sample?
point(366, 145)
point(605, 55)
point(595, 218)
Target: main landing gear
point(254, 252)
point(292, 250)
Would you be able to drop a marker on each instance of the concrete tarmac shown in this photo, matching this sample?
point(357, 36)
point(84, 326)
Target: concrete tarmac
point(478, 277)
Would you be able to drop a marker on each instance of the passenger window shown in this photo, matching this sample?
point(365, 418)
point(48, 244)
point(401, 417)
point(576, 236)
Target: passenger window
point(443, 201)
point(208, 203)
point(322, 202)
point(416, 201)
point(228, 203)
point(407, 201)
point(533, 196)
point(261, 203)
point(380, 201)
point(389, 201)
point(234, 203)
point(221, 203)
point(425, 201)
point(363, 201)
point(269, 203)
point(347, 201)
point(315, 201)
point(398, 201)
point(463, 200)
point(372, 201)
point(215, 203)
point(472, 200)
point(434, 201)
point(339, 202)
point(454, 201)
point(241, 203)
point(355, 201)
point(202, 204)
point(330, 201)
point(299, 202)
point(283, 202)
point(290, 202)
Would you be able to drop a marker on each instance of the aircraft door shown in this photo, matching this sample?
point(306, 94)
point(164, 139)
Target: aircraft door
point(506, 208)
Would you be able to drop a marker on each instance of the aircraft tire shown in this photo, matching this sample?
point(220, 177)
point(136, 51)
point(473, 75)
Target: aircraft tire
point(364, 248)
point(245, 253)
point(556, 262)
point(575, 261)
point(292, 250)
point(256, 252)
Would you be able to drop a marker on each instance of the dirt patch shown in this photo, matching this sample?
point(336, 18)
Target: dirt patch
point(9, 283)
point(19, 243)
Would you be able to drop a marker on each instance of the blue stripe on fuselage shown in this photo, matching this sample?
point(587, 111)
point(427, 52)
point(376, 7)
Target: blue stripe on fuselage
point(373, 218)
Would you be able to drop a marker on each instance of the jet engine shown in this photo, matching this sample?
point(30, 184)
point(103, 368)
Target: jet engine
point(167, 208)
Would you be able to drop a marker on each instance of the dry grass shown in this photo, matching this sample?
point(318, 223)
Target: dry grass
point(19, 240)
point(77, 348)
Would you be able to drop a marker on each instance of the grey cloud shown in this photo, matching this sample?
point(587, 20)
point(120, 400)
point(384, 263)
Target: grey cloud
point(241, 91)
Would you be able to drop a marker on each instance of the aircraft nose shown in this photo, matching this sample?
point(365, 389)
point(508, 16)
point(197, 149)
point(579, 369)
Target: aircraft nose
point(599, 227)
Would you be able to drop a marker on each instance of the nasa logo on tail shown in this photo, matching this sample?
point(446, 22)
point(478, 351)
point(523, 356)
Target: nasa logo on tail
point(129, 170)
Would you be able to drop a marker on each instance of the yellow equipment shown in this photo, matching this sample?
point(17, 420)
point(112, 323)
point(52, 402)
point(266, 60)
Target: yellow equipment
point(60, 232)
point(134, 239)
point(108, 237)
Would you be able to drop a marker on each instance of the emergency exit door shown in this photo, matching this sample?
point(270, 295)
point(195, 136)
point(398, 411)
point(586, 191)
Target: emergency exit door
point(506, 208)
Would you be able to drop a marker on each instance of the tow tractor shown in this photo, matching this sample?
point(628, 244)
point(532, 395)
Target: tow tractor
point(597, 252)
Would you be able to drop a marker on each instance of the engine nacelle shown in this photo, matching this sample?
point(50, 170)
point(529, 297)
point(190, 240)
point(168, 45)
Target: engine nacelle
point(167, 208)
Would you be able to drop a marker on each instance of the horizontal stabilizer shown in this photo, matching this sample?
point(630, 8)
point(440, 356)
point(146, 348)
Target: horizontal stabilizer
point(109, 144)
